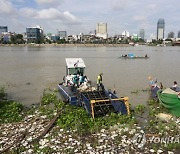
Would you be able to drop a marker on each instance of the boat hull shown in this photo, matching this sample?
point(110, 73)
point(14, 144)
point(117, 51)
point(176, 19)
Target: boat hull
point(95, 102)
point(170, 101)
point(134, 57)
point(68, 95)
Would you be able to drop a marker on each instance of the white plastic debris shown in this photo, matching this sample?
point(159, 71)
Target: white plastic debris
point(164, 117)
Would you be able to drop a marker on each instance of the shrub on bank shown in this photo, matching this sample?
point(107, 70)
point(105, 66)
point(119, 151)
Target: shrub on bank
point(9, 110)
point(2, 93)
point(76, 118)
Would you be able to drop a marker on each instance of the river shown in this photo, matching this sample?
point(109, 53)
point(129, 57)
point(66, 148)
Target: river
point(27, 71)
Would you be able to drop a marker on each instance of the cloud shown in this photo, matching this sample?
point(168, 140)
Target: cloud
point(120, 4)
point(20, 1)
point(139, 18)
point(49, 2)
point(7, 8)
point(70, 18)
point(50, 14)
point(45, 1)
point(82, 16)
point(152, 6)
point(27, 12)
point(145, 25)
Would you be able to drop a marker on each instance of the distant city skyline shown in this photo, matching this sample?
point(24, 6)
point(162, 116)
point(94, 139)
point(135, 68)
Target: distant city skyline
point(76, 16)
point(142, 34)
point(160, 29)
point(101, 30)
point(171, 35)
point(3, 29)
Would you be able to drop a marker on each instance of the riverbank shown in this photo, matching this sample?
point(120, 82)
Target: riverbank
point(66, 45)
point(73, 131)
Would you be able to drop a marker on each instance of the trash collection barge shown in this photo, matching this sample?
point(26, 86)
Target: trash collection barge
point(95, 102)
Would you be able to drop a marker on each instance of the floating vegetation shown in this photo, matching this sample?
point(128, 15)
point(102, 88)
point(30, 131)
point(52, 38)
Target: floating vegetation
point(9, 110)
point(76, 118)
point(2, 92)
point(48, 98)
point(145, 90)
point(138, 91)
point(135, 92)
point(74, 131)
point(140, 108)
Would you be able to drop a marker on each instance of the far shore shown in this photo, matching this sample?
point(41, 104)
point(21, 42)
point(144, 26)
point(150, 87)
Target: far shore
point(67, 45)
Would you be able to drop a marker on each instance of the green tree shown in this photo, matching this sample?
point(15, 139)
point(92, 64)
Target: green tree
point(62, 41)
point(13, 39)
point(17, 39)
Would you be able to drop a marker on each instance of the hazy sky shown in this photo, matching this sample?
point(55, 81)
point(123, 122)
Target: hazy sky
point(75, 16)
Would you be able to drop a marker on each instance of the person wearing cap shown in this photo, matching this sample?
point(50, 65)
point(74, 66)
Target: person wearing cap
point(154, 87)
point(175, 84)
point(175, 87)
point(99, 81)
point(152, 83)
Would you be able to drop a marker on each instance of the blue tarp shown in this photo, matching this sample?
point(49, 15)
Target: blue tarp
point(131, 55)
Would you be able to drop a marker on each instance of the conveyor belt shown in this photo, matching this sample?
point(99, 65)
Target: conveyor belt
point(95, 95)
point(102, 104)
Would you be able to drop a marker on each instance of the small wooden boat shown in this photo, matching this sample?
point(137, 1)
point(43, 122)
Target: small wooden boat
point(170, 99)
point(132, 56)
point(136, 57)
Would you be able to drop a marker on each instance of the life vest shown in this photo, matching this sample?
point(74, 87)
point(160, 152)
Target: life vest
point(99, 79)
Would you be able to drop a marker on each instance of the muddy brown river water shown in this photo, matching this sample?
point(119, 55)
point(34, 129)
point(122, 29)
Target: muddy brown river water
point(27, 71)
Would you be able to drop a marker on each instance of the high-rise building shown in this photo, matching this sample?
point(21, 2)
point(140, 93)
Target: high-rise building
point(160, 29)
point(34, 34)
point(178, 34)
point(142, 34)
point(3, 29)
point(135, 37)
point(101, 30)
point(125, 34)
point(171, 35)
point(62, 34)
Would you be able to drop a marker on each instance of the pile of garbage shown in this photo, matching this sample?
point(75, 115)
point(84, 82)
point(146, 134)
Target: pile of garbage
point(85, 87)
point(22, 133)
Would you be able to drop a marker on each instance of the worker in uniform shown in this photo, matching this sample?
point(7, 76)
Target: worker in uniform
point(99, 82)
